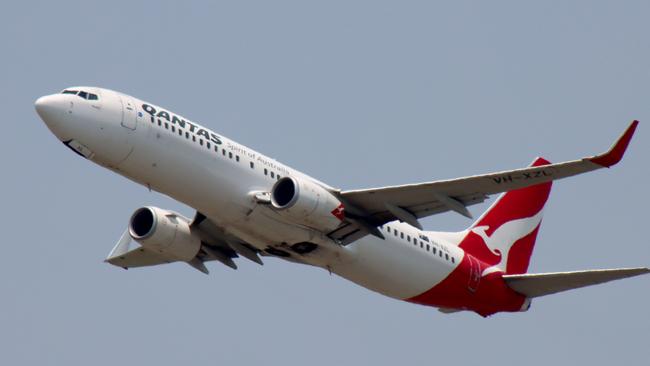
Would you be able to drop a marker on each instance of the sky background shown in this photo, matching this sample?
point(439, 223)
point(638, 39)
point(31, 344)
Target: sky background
point(357, 94)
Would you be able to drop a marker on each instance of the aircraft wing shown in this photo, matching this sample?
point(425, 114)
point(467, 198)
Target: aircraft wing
point(123, 255)
point(368, 208)
point(216, 245)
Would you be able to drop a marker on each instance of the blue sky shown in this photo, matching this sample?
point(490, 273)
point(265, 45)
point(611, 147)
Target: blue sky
point(358, 94)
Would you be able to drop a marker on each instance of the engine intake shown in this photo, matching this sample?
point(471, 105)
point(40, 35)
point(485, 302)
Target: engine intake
point(164, 232)
point(306, 203)
point(142, 223)
point(284, 193)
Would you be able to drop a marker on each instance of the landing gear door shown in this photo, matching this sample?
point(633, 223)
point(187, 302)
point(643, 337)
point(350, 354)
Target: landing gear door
point(129, 114)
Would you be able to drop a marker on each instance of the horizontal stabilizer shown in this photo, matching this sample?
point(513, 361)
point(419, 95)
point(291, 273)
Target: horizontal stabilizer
point(540, 284)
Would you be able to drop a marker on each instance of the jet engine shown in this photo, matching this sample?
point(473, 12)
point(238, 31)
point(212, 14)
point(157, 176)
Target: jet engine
point(307, 203)
point(164, 232)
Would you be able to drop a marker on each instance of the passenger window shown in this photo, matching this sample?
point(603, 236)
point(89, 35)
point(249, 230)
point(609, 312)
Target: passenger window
point(272, 174)
point(408, 238)
point(401, 235)
point(230, 155)
point(388, 229)
point(187, 134)
point(159, 123)
point(440, 252)
point(166, 125)
point(193, 138)
point(83, 94)
point(201, 142)
point(180, 132)
point(237, 157)
point(453, 260)
point(278, 176)
point(223, 152)
point(434, 250)
point(173, 129)
point(207, 144)
point(421, 245)
point(266, 172)
point(92, 96)
point(216, 149)
point(428, 248)
point(446, 256)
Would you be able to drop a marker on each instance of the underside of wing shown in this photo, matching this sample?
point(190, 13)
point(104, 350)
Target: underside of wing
point(137, 257)
point(217, 245)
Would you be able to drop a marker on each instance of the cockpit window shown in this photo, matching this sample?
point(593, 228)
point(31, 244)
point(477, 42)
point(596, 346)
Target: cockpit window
point(82, 94)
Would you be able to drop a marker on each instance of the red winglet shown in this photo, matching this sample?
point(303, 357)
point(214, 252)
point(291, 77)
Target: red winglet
point(615, 153)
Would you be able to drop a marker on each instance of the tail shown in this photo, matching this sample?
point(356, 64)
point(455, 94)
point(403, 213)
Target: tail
point(504, 236)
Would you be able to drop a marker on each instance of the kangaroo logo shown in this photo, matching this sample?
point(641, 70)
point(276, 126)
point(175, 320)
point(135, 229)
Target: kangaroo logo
point(504, 237)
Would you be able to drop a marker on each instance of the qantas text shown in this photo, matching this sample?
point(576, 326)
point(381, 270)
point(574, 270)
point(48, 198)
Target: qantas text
point(180, 122)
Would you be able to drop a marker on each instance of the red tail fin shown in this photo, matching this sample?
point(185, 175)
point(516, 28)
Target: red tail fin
point(504, 236)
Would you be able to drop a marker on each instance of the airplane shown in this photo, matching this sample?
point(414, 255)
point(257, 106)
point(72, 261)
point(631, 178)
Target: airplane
point(249, 205)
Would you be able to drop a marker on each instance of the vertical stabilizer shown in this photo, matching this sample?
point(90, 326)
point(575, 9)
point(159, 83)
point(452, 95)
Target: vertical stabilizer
point(504, 236)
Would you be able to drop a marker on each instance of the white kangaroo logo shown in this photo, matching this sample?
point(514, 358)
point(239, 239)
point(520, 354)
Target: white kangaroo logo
point(504, 237)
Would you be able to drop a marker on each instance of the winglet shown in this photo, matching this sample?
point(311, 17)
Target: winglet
point(615, 153)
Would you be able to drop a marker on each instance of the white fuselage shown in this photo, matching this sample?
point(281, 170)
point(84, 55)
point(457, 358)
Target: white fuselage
point(219, 178)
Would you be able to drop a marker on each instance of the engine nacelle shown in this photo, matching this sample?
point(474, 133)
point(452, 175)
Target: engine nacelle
point(164, 232)
point(307, 203)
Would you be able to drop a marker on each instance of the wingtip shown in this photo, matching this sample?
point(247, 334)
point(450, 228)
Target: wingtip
point(616, 152)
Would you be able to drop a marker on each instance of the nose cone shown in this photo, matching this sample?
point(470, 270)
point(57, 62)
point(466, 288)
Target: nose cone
point(50, 108)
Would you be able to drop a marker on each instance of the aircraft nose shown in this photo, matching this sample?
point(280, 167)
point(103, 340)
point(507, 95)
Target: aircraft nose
point(50, 108)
